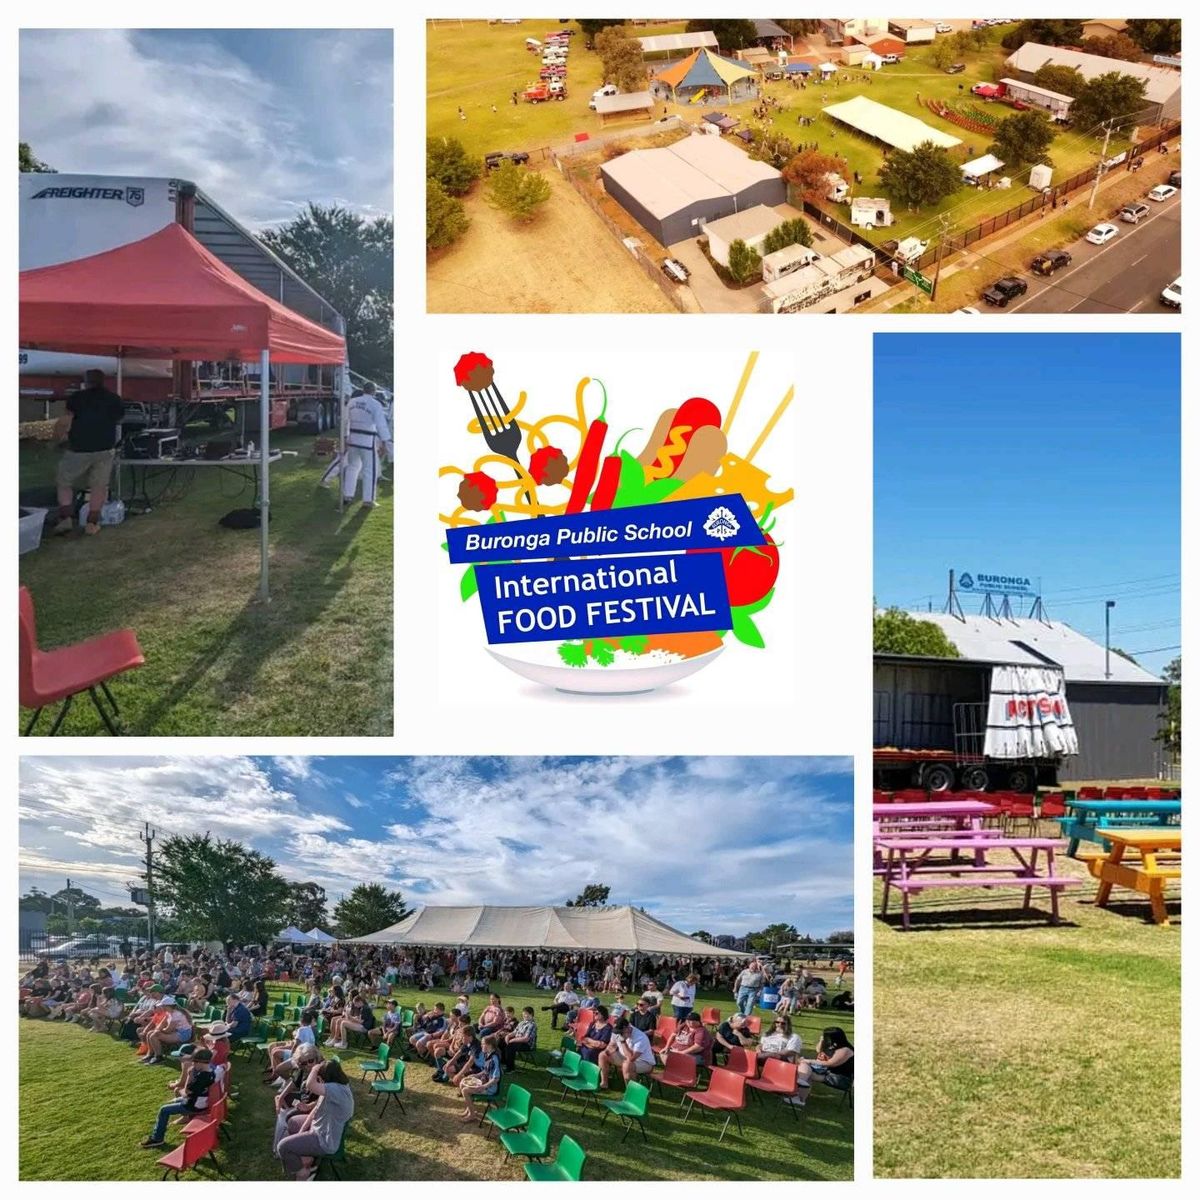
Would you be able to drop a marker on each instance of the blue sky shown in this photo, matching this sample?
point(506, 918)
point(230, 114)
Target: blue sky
point(262, 120)
point(723, 844)
point(1047, 455)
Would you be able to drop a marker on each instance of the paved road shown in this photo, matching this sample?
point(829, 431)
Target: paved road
point(1126, 275)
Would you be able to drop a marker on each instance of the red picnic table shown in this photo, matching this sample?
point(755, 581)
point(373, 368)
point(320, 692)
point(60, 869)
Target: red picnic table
point(910, 866)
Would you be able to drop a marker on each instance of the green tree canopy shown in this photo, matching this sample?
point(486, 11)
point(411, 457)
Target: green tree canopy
point(595, 895)
point(1113, 45)
point(1156, 35)
point(841, 937)
point(448, 162)
point(807, 170)
point(1045, 32)
point(745, 263)
point(922, 176)
point(590, 26)
point(896, 632)
point(216, 890)
point(944, 52)
point(370, 906)
point(773, 935)
point(795, 232)
point(1170, 731)
point(306, 905)
point(517, 191)
point(622, 58)
point(347, 258)
point(445, 218)
point(1112, 97)
point(29, 162)
point(1025, 137)
point(733, 33)
point(1059, 78)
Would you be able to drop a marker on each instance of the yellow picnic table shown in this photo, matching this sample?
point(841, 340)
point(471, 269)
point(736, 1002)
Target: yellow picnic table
point(1145, 874)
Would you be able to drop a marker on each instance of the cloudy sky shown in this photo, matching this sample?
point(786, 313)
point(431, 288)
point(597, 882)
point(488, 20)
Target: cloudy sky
point(724, 844)
point(263, 121)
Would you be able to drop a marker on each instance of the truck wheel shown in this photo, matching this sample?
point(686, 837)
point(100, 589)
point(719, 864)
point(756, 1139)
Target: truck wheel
point(939, 778)
point(1020, 779)
point(975, 779)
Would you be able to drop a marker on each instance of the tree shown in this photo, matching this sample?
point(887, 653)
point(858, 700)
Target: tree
point(216, 890)
point(445, 219)
point(622, 58)
point(807, 170)
point(944, 52)
point(896, 632)
point(798, 27)
point(1112, 97)
point(1170, 731)
point(595, 895)
point(1045, 33)
point(348, 259)
point(1059, 78)
point(732, 34)
point(1024, 137)
point(517, 191)
point(29, 162)
point(775, 934)
point(370, 906)
point(841, 937)
point(776, 149)
point(924, 175)
point(1115, 45)
point(35, 900)
point(448, 162)
point(306, 905)
point(702, 935)
point(590, 26)
point(1156, 36)
point(745, 263)
point(795, 232)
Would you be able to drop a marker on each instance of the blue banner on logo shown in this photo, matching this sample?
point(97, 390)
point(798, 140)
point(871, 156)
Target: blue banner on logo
point(709, 523)
point(603, 597)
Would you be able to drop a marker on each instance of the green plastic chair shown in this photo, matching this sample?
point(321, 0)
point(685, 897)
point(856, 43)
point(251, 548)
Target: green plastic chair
point(377, 1066)
point(277, 1012)
point(533, 1142)
point(515, 1113)
point(569, 1068)
point(256, 1040)
point(338, 1156)
point(567, 1166)
point(285, 999)
point(631, 1108)
point(408, 1019)
point(568, 1043)
point(585, 1084)
point(390, 1089)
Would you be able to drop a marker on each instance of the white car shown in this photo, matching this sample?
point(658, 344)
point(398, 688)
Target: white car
point(1172, 294)
point(971, 309)
point(1164, 191)
point(1104, 232)
point(942, 27)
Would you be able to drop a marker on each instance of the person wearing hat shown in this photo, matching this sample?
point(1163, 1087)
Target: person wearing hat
point(172, 1032)
point(201, 1076)
point(216, 1040)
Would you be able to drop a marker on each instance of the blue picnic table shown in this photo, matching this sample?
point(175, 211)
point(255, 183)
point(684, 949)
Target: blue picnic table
point(1086, 820)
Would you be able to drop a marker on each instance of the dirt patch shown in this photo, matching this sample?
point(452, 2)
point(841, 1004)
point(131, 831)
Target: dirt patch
point(565, 261)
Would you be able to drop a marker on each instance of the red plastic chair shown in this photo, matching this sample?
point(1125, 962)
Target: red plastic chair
point(711, 1016)
point(778, 1079)
point(726, 1093)
point(679, 1071)
point(48, 676)
point(664, 1031)
point(201, 1144)
point(754, 1026)
point(910, 794)
point(878, 797)
point(1090, 793)
point(1022, 809)
point(743, 1062)
point(217, 1110)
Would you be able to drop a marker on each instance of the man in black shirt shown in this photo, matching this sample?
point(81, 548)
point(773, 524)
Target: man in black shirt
point(90, 428)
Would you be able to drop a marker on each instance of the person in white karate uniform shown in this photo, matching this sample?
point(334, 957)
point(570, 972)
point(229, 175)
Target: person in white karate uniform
point(367, 434)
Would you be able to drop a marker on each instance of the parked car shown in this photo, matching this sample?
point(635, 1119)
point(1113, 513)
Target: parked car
point(672, 268)
point(1133, 213)
point(609, 89)
point(969, 309)
point(1175, 179)
point(494, 158)
point(1164, 191)
point(84, 946)
point(956, 68)
point(1172, 294)
point(942, 27)
point(1050, 261)
point(1005, 289)
point(1104, 232)
point(891, 59)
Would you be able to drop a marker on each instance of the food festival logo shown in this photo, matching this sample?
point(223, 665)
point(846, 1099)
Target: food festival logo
point(135, 196)
point(591, 562)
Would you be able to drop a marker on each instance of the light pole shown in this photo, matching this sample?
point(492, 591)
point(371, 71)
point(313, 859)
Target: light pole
point(1109, 605)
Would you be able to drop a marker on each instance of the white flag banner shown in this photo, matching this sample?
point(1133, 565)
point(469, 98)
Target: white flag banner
point(1028, 715)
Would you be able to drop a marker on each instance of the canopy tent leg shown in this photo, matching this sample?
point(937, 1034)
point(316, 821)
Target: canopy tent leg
point(120, 357)
point(264, 485)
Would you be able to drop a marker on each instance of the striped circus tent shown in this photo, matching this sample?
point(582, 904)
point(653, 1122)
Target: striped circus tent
point(708, 73)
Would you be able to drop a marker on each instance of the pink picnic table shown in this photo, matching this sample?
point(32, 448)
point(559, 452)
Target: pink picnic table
point(911, 866)
point(920, 818)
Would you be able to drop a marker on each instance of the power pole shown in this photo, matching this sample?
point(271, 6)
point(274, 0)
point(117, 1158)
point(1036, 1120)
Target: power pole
point(70, 909)
point(943, 235)
point(148, 836)
point(1100, 164)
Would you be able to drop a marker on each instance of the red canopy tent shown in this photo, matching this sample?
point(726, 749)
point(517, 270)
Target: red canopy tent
point(166, 296)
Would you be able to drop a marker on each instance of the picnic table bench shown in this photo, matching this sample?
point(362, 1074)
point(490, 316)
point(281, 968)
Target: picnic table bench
point(1088, 820)
point(1158, 858)
point(910, 866)
point(927, 818)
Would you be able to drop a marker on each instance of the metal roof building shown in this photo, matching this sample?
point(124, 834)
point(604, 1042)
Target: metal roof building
point(672, 190)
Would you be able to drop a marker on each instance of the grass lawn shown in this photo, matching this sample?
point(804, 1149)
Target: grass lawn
point(99, 1140)
point(316, 660)
point(1007, 1047)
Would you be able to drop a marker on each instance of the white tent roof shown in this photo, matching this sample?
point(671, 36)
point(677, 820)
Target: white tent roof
point(1025, 641)
point(658, 43)
point(889, 125)
point(292, 934)
point(541, 927)
point(981, 166)
point(319, 935)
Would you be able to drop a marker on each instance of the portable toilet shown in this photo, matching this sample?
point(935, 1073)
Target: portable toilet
point(1040, 176)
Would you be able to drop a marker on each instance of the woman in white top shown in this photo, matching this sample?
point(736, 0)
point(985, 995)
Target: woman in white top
point(683, 996)
point(781, 1042)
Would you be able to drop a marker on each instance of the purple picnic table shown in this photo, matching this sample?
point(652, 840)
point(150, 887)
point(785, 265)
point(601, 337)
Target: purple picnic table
point(927, 817)
point(910, 866)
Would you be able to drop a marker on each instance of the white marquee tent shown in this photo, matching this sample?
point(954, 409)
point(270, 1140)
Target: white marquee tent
point(617, 929)
point(888, 125)
point(319, 935)
point(296, 937)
